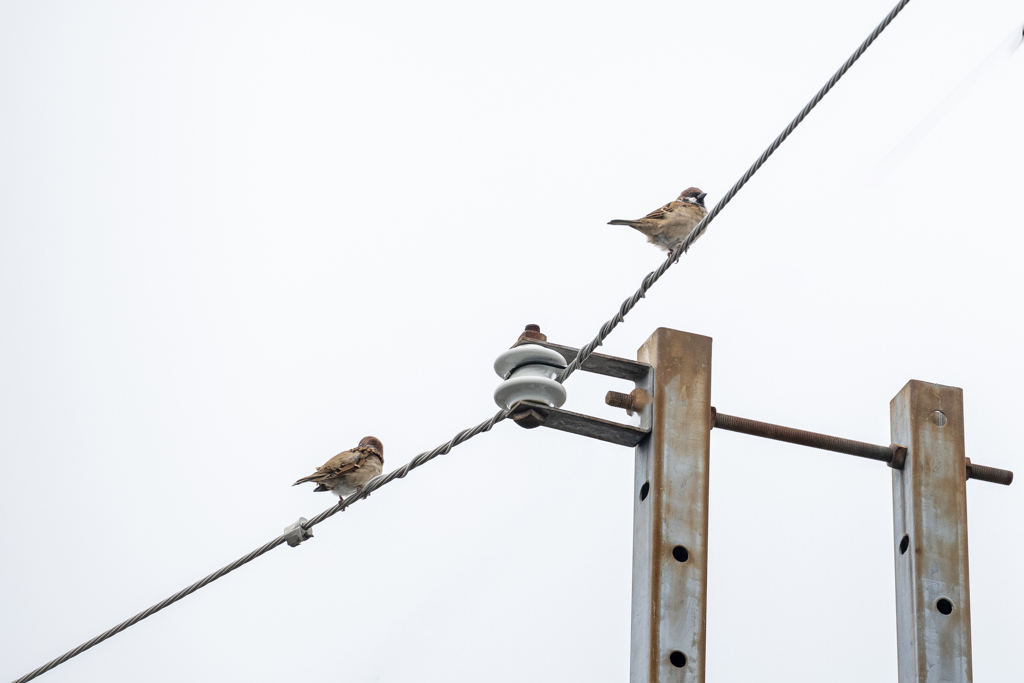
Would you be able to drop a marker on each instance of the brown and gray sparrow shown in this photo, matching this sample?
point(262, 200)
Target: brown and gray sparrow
point(669, 225)
point(349, 471)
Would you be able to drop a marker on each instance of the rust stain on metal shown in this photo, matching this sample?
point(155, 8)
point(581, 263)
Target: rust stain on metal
point(991, 474)
point(899, 456)
point(893, 454)
point(531, 333)
point(933, 611)
point(633, 402)
point(528, 418)
point(803, 438)
point(617, 399)
point(531, 414)
point(669, 593)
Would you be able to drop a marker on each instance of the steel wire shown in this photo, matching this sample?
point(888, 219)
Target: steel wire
point(400, 473)
point(685, 245)
point(152, 610)
point(488, 424)
point(371, 486)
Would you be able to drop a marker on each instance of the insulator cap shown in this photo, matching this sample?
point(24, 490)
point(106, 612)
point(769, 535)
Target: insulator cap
point(526, 354)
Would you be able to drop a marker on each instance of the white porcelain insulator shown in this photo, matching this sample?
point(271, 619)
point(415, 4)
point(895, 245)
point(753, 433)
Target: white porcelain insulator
point(526, 354)
point(531, 383)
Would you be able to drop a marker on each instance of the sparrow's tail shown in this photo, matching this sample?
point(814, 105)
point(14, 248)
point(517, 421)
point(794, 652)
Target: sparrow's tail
point(311, 477)
point(632, 224)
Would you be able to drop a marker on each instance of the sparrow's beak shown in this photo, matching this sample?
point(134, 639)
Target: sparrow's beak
point(701, 196)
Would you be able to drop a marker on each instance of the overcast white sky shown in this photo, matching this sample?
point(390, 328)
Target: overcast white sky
point(235, 238)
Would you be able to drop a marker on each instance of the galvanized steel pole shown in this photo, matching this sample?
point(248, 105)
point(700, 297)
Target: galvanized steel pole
point(670, 512)
point(933, 610)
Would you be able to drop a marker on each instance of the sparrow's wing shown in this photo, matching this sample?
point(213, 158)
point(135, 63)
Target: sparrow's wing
point(659, 214)
point(346, 461)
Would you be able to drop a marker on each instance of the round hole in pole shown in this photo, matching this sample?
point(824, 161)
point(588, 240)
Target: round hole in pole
point(644, 490)
point(904, 543)
point(680, 553)
point(678, 659)
point(944, 605)
point(939, 418)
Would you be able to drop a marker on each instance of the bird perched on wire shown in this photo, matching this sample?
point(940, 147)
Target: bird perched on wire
point(668, 226)
point(349, 471)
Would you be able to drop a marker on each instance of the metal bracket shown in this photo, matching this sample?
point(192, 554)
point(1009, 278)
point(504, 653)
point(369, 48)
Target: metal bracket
point(894, 454)
point(599, 364)
point(530, 414)
point(294, 534)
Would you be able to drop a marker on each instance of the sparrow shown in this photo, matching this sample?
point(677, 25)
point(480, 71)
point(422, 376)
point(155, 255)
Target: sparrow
point(349, 471)
point(668, 226)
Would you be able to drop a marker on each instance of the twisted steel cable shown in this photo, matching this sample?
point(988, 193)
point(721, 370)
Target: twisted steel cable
point(400, 473)
point(685, 245)
point(152, 610)
point(371, 486)
point(488, 424)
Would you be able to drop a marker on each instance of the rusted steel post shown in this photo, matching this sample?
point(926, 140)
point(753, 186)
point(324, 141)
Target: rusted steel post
point(933, 609)
point(670, 512)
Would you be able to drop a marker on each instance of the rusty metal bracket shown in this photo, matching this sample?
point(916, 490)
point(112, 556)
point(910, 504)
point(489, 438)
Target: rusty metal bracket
point(800, 437)
point(529, 414)
point(894, 455)
point(599, 364)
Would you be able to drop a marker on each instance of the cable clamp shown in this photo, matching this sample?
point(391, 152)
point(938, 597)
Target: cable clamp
point(294, 534)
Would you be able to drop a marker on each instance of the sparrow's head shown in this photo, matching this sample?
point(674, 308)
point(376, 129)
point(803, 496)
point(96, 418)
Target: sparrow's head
point(693, 195)
point(374, 443)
